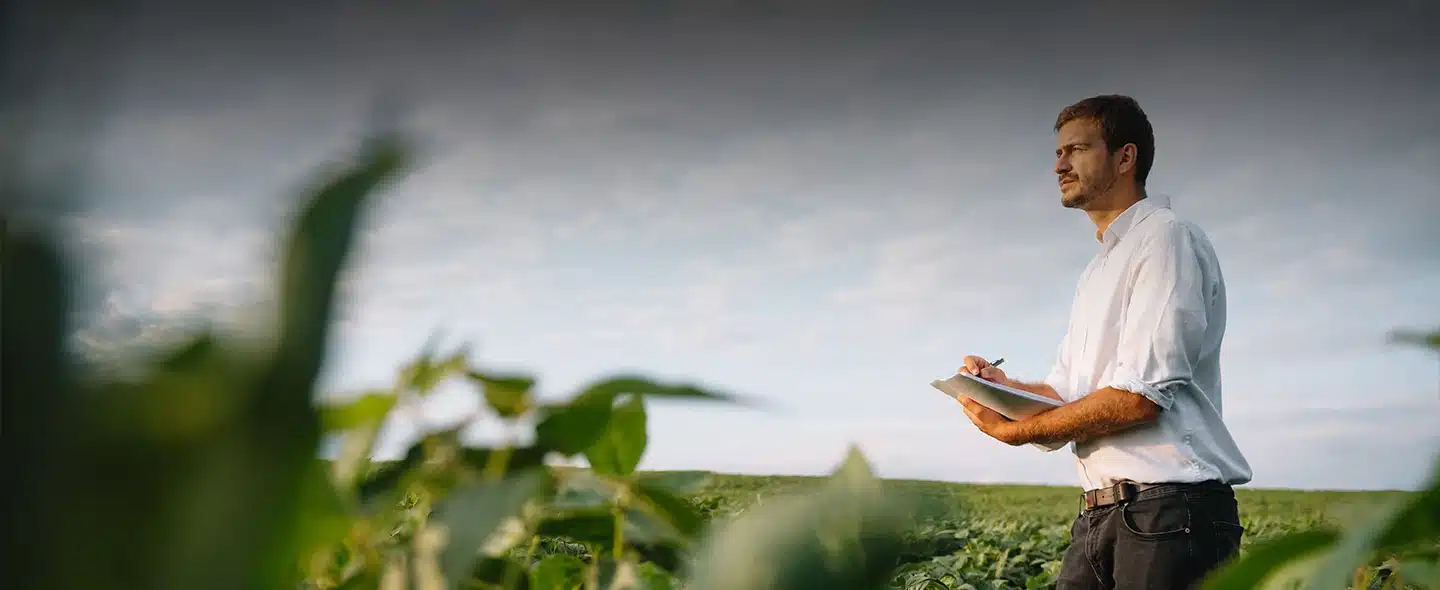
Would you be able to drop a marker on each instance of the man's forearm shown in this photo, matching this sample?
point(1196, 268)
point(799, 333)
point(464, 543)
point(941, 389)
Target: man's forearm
point(1101, 413)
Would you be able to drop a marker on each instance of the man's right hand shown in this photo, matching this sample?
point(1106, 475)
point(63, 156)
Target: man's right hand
point(982, 368)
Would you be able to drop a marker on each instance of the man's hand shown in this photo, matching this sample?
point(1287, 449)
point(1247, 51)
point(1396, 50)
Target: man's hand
point(982, 368)
point(990, 422)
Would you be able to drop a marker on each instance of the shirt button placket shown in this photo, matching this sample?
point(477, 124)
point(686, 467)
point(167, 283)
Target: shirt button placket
point(1088, 303)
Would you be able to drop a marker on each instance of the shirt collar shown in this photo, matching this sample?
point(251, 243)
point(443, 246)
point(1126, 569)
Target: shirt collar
point(1132, 216)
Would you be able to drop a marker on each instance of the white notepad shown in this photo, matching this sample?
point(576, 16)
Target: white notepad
point(1009, 402)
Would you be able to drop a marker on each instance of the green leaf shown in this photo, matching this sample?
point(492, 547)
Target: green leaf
point(458, 363)
point(669, 508)
point(424, 374)
point(642, 527)
point(495, 572)
point(594, 527)
point(1267, 558)
point(188, 396)
point(618, 452)
point(667, 557)
point(508, 396)
point(573, 427)
point(384, 485)
point(557, 572)
point(419, 374)
point(654, 540)
point(1416, 519)
point(615, 386)
point(472, 513)
point(1429, 340)
point(1425, 574)
point(243, 489)
point(570, 429)
point(653, 577)
point(200, 350)
point(46, 424)
point(367, 580)
point(323, 520)
point(365, 411)
point(313, 258)
point(353, 456)
point(854, 472)
point(845, 534)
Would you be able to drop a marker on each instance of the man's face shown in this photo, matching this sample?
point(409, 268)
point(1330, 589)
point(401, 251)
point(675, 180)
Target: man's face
point(1083, 166)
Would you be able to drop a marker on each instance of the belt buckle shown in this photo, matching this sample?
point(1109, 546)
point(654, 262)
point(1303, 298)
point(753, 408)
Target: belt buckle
point(1125, 492)
point(1116, 494)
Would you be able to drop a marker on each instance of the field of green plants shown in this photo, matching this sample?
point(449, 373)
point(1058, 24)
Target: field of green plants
point(1013, 536)
point(203, 470)
point(995, 536)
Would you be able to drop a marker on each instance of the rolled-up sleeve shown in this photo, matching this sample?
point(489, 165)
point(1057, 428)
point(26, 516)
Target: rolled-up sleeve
point(1165, 319)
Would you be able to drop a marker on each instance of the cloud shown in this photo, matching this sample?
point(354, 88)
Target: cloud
point(926, 277)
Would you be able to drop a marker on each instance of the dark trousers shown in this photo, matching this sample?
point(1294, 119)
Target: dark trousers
point(1169, 537)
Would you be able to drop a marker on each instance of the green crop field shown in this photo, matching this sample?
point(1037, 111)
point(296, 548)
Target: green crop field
point(1011, 536)
point(1265, 512)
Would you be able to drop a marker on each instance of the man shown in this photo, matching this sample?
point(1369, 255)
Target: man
point(1139, 370)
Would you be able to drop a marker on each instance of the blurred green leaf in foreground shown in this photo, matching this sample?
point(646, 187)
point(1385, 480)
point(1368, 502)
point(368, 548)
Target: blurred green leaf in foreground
point(203, 472)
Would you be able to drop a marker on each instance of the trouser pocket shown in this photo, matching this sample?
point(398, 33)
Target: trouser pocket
point(1155, 519)
point(1154, 545)
point(1227, 537)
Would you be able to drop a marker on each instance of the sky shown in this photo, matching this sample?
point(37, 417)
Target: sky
point(821, 205)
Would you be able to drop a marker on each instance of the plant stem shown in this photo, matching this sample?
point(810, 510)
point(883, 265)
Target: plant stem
point(499, 460)
point(497, 463)
point(619, 548)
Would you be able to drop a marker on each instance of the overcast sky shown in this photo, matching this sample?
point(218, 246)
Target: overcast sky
point(822, 204)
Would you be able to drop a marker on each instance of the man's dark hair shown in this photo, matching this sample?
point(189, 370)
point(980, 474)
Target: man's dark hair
point(1121, 121)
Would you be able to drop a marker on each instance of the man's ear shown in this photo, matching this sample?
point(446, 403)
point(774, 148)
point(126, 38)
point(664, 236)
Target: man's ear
point(1129, 157)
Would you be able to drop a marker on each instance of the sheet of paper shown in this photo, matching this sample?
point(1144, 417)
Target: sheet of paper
point(1012, 403)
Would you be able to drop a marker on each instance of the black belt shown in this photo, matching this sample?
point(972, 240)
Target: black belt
point(1126, 491)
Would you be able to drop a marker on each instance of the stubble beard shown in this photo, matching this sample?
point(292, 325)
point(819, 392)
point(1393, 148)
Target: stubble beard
point(1082, 197)
point(1088, 193)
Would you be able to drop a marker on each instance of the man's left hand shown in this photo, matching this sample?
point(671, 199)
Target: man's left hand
point(990, 422)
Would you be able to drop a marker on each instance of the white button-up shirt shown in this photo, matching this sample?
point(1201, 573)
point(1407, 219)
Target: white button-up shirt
point(1148, 317)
